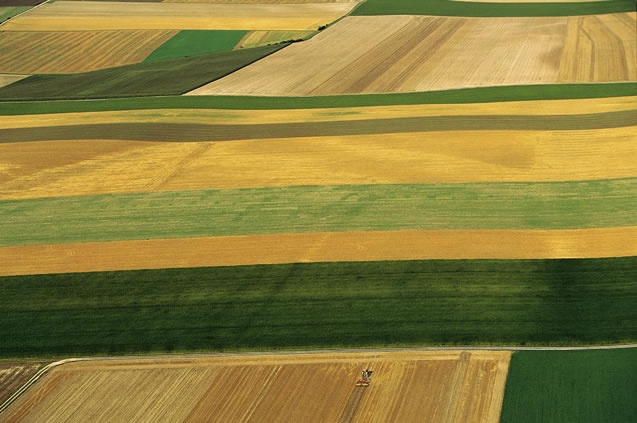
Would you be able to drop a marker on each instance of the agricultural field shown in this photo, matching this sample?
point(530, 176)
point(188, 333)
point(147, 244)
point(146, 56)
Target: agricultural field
point(271, 177)
point(97, 15)
point(14, 374)
point(75, 51)
point(461, 386)
point(582, 386)
point(381, 54)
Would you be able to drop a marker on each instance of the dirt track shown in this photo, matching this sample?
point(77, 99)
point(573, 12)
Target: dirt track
point(407, 386)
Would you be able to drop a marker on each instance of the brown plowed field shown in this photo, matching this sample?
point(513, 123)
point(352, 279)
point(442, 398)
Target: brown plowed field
point(406, 387)
point(375, 54)
point(61, 168)
point(93, 16)
point(317, 247)
point(75, 51)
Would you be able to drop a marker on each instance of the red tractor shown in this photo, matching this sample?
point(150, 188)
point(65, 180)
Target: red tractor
point(365, 379)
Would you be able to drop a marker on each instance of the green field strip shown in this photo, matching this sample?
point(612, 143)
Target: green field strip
point(360, 304)
point(166, 77)
point(183, 214)
point(191, 132)
point(191, 42)
point(11, 11)
point(571, 386)
point(457, 8)
point(459, 96)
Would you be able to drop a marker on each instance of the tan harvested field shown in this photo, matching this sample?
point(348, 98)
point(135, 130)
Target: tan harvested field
point(376, 54)
point(10, 79)
point(262, 38)
point(61, 168)
point(14, 375)
point(93, 16)
point(318, 247)
point(449, 386)
point(75, 51)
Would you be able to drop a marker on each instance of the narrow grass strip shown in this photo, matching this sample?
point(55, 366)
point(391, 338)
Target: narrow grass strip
point(579, 386)
point(459, 96)
point(182, 214)
point(459, 8)
point(457, 302)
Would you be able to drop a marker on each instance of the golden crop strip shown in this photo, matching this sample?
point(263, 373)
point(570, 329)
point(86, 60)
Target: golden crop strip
point(224, 116)
point(93, 16)
point(318, 247)
point(61, 168)
point(75, 51)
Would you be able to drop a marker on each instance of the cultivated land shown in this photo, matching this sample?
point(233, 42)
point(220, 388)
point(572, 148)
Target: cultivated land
point(14, 374)
point(460, 386)
point(317, 247)
point(92, 16)
point(260, 38)
point(420, 53)
point(321, 305)
point(182, 214)
point(582, 386)
point(6, 79)
point(75, 51)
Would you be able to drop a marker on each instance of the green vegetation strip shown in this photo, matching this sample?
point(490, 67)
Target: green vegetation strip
point(457, 8)
point(182, 214)
point(191, 43)
point(446, 302)
point(461, 96)
point(166, 77)
point(9, 12)
point(572, 386)
point(185, 132)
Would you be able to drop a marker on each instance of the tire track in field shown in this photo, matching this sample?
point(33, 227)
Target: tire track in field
point(178, 132)
point(352, 406)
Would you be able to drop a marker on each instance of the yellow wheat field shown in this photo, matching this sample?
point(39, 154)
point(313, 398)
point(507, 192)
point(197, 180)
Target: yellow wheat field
point(317, 247)
point(377, 54)
point(224, 116)
point(406, 386)
point(61, 168)
point(93, 16)
point(75, 51)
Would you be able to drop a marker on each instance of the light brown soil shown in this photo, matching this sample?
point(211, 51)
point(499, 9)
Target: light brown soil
point(317, 247)
point(406, 387)
point(375, 54)
point(93, 16)
point(61, 168)
point(75, 51)
point(10, 79)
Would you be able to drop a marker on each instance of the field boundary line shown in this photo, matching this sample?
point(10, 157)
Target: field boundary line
point(16, 16)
